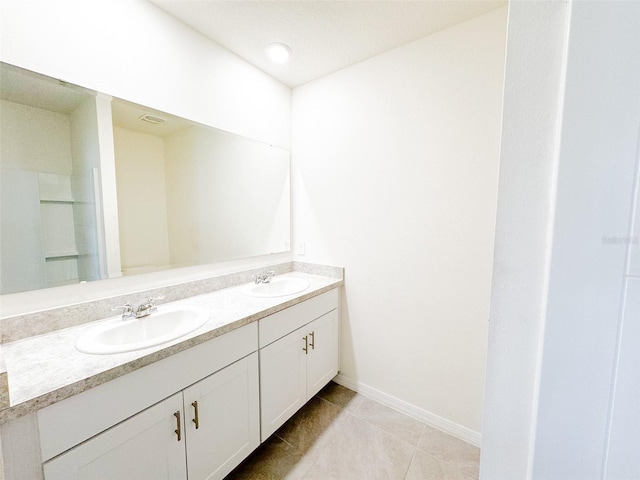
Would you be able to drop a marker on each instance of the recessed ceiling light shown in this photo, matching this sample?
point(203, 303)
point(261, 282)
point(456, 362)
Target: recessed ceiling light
point(278, 52)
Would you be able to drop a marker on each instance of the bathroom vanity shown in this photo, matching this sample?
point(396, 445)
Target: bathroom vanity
point(191, 408)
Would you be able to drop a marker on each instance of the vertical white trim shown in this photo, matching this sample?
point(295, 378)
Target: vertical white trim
point(100, 233)
point(549, 241)
point(108, 182)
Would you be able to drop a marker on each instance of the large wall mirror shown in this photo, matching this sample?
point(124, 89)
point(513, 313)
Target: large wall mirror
point(93, 187)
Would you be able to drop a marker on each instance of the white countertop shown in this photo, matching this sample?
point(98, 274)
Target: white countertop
point(47, 368)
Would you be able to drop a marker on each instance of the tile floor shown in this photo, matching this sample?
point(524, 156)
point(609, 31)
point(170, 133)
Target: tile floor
point(341, 435)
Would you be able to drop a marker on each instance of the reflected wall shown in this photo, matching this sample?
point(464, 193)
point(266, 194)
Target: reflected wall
point(92, 189)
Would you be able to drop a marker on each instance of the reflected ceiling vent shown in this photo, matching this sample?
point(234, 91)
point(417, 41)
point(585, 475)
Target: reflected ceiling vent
point(151, 119)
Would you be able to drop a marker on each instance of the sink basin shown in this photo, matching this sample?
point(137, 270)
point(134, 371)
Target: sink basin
point(118, 336)
point(277, 287)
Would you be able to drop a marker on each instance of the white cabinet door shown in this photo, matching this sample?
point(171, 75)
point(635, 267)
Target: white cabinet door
point(283, 388)
point(144, 447)
point(228, 426)
point(322, 361)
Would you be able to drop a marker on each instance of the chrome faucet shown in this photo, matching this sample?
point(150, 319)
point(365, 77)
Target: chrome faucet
point(263, 277)
point(148, 307)
point(143, 310)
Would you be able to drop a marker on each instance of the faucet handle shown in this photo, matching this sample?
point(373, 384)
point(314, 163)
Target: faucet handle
point(126, 307)
point(151, 302)
point(127, 310)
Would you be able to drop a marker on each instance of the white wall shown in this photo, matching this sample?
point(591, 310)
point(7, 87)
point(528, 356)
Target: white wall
point(562, 379)
point(142, 201)
point(225, 193)
point(133, 50)
point(35, 139)
point(396, 162)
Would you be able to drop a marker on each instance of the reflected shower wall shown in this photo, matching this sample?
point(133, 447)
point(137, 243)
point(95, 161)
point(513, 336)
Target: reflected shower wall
point(85, 187)
point(48, 222)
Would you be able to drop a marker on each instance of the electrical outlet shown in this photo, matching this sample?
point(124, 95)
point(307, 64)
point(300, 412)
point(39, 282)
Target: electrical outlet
point(301, 248)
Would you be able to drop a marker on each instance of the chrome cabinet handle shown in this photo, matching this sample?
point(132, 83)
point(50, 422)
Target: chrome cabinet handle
point(178, 430)
point(306, 345)
point(195, 419)
point(313, 340)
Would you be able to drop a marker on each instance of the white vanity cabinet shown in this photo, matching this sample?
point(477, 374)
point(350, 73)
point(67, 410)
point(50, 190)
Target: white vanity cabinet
point(298, 356)
point(143, 447)
point(128, 428)
point(200, 433)
point(192, 415)
point(222, 420)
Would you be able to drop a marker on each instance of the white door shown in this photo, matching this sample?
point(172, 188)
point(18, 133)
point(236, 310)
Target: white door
point(144, 447)
point(222, 420)
point(322, 361)
point(283, 388)
point(623, 460)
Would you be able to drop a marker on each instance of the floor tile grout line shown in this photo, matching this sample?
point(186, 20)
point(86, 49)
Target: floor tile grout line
point(355, 413)
point(316, 396)
point(278, 436)
point(342, 415)
point(415, 450)
point(378, 427)
point(342, 407)
point(391, 433)
point(413, 456)
point(326, 447)
point(313, 463)
point(416, 447)
point(382, 430)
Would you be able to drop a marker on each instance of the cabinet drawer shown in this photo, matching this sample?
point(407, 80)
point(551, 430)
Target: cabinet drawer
point(279, 324)
point(75, 419)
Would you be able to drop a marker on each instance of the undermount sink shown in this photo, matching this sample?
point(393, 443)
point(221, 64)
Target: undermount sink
point(277, 287)
point(119, 336)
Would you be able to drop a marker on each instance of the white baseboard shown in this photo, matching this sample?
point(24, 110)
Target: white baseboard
point(431, 419)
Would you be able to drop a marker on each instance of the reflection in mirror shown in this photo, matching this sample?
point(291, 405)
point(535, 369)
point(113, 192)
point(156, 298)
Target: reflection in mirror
point(191, 195)
point(174, 194)
point(48, 180)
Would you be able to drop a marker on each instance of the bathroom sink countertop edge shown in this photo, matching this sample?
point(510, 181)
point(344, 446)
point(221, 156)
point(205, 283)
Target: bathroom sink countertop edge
point(45, 369)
